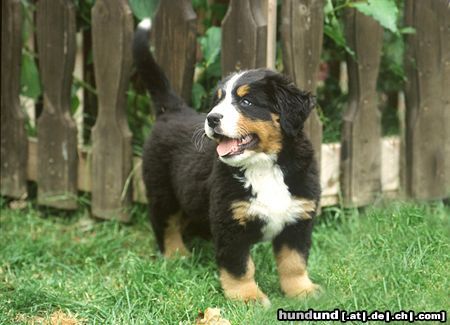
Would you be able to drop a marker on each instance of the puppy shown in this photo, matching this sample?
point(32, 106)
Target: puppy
point(245, 172)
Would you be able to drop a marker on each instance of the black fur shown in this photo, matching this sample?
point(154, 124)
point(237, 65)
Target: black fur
point(178, 176)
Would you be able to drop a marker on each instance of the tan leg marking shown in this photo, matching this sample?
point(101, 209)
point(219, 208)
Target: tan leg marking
point(294, 278)
point(307, 207)
point(240, 212)
point(243, 288)
point(173, 240)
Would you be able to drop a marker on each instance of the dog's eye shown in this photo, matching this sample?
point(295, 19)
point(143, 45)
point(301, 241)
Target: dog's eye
point(246, 102)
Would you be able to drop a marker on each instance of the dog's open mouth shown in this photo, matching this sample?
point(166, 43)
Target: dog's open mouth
point(228, 147)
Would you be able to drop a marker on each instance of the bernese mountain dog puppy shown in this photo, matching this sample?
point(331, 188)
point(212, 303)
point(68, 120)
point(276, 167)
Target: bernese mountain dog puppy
point(245, 171)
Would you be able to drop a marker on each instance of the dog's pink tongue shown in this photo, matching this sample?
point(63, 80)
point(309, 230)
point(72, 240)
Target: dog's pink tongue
point(227, 146)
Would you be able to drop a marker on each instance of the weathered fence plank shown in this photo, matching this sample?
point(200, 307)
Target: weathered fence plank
point(112, 32)
point(174, 34)
point(301, 38)
point(271, 8)
point(361, 130)
point(427, 62)
point(13, 136)
point(244, 36)
point(57, 134)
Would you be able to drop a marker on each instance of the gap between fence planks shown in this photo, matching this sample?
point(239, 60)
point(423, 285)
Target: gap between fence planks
point(390, 156)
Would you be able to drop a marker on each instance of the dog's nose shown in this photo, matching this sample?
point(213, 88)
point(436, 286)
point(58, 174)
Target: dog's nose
point(214, 119)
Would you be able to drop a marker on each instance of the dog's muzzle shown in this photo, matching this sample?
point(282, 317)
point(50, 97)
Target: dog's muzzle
point(214, 120)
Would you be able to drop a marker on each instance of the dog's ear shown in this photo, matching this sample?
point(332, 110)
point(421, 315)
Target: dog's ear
point(292, 104)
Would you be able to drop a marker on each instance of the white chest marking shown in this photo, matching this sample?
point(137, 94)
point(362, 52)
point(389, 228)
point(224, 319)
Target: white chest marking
point(272, 201)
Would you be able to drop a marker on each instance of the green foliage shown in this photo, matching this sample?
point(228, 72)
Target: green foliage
point(332, 102)
point(391, 73)
point(383, 11)
point(211, 12)
point(83, 14)
point(143, 8)
point(140, 117)
point(333, 27)
point(29, 77)
point(208, 70)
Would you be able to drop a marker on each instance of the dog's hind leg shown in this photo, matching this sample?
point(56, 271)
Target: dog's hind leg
point(165, 217)
point(173, 239)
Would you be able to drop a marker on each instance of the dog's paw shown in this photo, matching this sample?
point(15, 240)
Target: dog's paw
point(300, 286)
point(248, 292)
point(177, 252)
point(253, 296)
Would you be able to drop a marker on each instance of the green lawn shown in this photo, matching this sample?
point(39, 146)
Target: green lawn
point(388, 258)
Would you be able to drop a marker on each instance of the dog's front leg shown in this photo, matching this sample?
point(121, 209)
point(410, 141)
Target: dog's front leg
point(237, 272)
point(291, 248)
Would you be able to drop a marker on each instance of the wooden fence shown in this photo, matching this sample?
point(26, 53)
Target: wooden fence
point(354, 172)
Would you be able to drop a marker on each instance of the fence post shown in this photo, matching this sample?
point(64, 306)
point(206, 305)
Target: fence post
point(13, 136)
point(244, 36)
point(427, 62)
point(301, 32)
point(361, 129)
point(112, 32)
point(57, 134)
point(175, 39)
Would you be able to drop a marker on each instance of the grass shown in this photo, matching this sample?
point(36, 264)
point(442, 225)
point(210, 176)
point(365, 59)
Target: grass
point(387, 258)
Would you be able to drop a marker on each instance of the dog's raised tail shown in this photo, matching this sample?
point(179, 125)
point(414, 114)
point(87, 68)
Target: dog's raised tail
point(154, 77)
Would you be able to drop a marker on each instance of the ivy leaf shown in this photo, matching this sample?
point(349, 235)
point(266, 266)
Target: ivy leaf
point(143, 8)
point(210, 44)
point(335, 32)
point(383, 11)
point(30, 83)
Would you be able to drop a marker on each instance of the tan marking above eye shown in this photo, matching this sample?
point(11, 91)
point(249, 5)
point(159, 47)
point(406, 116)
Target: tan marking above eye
point(219, 93)
point(243, 90)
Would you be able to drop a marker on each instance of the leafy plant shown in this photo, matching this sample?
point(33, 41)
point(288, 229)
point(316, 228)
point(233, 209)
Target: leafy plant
point(383, 11)
point(143, 8)
point(333, 99)
point(208, 70)
point(30, 83)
